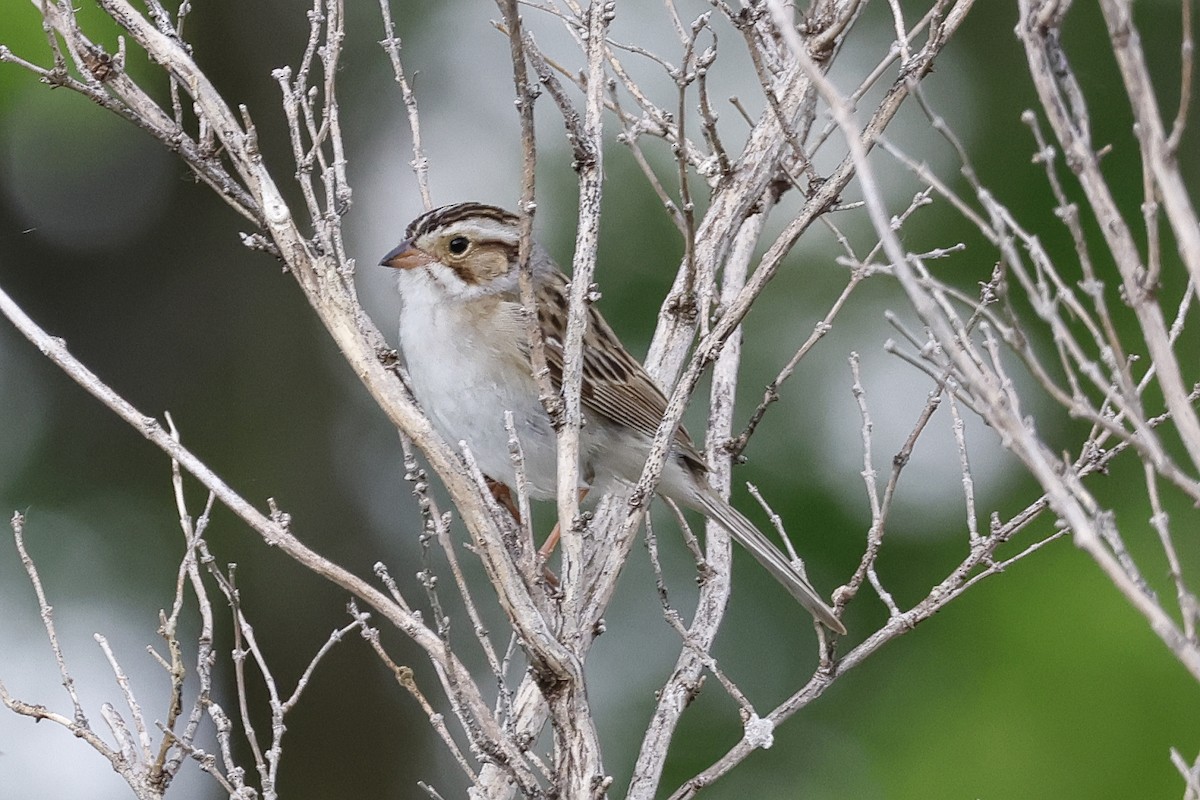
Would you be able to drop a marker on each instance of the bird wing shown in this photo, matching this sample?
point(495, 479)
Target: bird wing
point(615, 385)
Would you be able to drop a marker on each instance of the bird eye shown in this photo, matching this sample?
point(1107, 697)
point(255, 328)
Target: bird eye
point(459, 245)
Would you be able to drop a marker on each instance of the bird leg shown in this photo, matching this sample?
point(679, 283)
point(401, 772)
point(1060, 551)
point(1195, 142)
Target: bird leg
point(503, 496)
point(552, 540)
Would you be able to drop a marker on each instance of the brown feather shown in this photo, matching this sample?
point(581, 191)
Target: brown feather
point(615, 384)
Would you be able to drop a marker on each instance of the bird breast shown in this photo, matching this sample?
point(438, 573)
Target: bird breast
point(467, 368)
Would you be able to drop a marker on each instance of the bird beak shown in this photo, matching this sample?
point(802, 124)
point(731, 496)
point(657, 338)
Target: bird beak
point(406, 256)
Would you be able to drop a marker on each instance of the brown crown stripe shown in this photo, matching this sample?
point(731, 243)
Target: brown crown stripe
point(446, 215)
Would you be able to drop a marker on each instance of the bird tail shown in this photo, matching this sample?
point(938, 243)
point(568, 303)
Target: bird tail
point(767, 554)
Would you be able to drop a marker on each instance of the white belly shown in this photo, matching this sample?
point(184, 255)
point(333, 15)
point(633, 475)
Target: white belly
point(465, 378)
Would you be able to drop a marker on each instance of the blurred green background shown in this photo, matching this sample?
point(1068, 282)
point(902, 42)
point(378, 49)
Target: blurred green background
point(1041, 683)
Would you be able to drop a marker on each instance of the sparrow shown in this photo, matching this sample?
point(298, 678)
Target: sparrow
point(464, 340)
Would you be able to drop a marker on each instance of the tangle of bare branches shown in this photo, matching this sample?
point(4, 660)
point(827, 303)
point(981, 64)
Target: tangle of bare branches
point(1035, 322)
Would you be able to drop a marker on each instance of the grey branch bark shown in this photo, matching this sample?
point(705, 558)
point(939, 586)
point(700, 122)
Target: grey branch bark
point(721, 192)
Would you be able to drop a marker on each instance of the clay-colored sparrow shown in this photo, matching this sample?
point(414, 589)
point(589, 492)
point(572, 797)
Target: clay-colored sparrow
point(463, 335)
